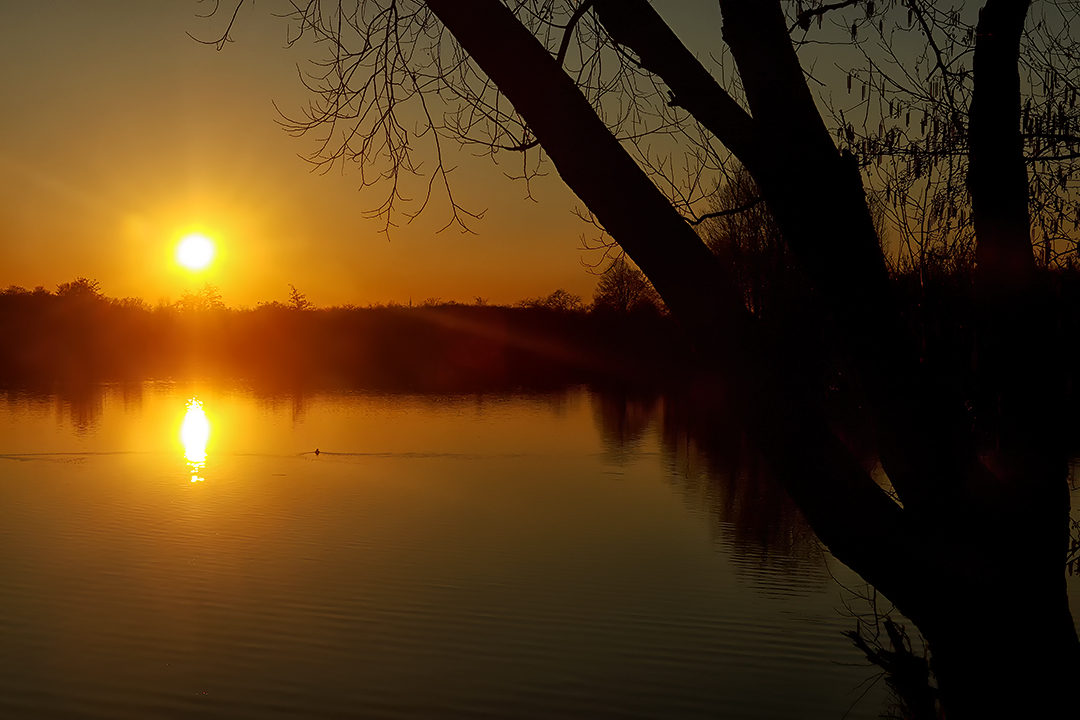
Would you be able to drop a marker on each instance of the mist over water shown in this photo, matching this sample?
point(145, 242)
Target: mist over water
point(181, 550)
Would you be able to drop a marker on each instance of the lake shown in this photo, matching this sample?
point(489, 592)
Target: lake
point(179, 550)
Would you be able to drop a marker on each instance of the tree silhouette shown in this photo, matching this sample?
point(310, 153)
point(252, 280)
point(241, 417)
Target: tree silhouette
point(298, 300)
point(744, 236)
point(202, 300)
point(80, 289)
point(972, 546)
point(623, 289)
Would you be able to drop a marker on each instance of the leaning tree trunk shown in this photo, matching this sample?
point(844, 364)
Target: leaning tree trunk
point(974, 557)
point(994, 604)
point(850, 511)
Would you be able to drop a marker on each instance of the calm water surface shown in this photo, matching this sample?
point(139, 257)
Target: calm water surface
point(180, 551)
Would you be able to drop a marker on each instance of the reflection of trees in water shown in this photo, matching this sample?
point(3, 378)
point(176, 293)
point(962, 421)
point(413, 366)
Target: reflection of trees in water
point(131, 394)
point(37, 400)
point(275, 397)
point(771, 540)
point(623, 418)
point(80, 406)
point(721, 478)
point(298, 398)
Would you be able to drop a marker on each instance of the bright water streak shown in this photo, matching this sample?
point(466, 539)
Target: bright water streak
point(194, 434)
point(471, 557)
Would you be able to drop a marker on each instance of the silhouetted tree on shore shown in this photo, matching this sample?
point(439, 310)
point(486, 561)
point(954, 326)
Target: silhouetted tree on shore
point(80, 288)
point(624, 289)
point(298, 300)
point(974, 550)
point(559, 300)
point(204, 299)
point(744, 236)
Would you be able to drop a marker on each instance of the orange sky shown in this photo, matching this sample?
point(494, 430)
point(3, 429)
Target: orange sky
point(119, 133)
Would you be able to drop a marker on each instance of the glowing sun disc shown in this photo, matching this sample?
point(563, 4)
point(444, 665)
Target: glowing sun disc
point(195, 251)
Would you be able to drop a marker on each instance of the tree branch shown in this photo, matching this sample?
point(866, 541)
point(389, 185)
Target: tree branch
point(224, 38)
point(724, 213)
point(568, 32)
point(636, 25)
point(802, 20)
point(848, 510)
point(817, 197)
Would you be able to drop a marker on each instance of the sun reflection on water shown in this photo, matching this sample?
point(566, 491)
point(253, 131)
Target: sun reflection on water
point(194, 434)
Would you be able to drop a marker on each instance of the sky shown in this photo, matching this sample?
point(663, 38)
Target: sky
point(119, 134)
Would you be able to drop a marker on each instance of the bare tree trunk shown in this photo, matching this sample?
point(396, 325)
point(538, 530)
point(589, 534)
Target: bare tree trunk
point(1020, 634)
point(852, 514)
point(970, 558)
point(817, 198)
point(997, 176)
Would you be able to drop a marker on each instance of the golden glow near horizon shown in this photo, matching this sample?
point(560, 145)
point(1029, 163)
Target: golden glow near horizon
point(238, 182)
point(194, 434)
point(195, 251)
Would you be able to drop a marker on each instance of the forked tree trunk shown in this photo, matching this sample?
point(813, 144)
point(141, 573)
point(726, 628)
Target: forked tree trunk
point(973, 557)
point(852, 513)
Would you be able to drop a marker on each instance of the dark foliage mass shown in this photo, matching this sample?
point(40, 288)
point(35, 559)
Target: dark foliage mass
point(85, 336)
point(78, 335)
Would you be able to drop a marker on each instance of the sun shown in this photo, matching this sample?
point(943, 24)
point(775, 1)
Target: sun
point(195, 251)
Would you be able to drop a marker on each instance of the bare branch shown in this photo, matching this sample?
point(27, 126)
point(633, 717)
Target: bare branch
point(804, 18)
point(224, 38)
point(725, 213)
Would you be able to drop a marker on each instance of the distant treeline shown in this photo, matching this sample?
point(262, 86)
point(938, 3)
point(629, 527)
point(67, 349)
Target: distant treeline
point(77, 334)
